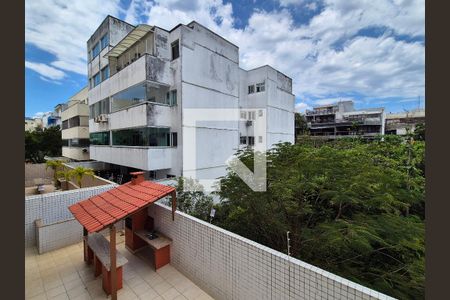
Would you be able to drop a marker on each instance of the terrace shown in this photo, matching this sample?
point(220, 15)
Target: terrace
point(204, 262)
point(62, 274)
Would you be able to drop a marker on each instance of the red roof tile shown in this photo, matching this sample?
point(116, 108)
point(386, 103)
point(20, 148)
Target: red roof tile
point(102, 210)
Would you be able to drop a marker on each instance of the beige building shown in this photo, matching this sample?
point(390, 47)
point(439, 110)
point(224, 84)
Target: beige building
point(32, 123)
point(75, 127)
point(401, 123)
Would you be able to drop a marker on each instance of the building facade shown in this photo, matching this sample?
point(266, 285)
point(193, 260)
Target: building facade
point(32, 123)
point(341, 119)
point(146, 82)
point(402, 123)
point(75, 126)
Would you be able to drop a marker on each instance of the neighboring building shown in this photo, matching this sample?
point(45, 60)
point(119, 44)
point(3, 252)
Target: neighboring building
point(75, 126)
point(341, 119)
point(400, 123)
point(142, 79)
point(32, 123)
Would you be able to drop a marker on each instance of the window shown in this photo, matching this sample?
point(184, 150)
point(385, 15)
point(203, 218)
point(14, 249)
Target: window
point(170, 176)
point(175, 50)
point(142, 136)
point(251, 140)
point(65, 124)
point(95, 50)
point(98, 108)
point(251, 115)
point(140, 93)
point(99, 138)
point(65, 143)
point(74, 122)
point(173, 98)
point(243, 140)
point(251, 89)
point(104, 41)
point(97, 79)
point(105, 73)
point(174, 139)
point(243, 115)
point(260, 87)
point(260, 139)
point(260, 113)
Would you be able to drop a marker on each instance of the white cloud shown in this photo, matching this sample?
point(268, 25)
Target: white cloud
point(40, 114)
point(62, 28)
point(45, 71)
point(378, 67)
point(301, 107)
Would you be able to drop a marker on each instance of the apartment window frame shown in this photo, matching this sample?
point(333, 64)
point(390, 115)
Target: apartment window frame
point(251, 89)
point(141, 137)
point(251, 140)
point(100, 138)
point(96, 50)
point(97, 79)
point(260, 87)
point(173, 139)
point(242, 140)
point(103, 71)
point(175, 49)
point(104, 41)
point(243, 115)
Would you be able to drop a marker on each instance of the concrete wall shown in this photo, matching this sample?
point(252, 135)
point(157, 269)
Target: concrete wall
point(37, 171)
point(143, 158)
point(78, 132)
point(75, 153)
point(209, 79)
point(228, 266)
point(52, 208)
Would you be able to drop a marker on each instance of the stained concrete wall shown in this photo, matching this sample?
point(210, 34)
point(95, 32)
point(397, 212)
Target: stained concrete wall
point(210, 79)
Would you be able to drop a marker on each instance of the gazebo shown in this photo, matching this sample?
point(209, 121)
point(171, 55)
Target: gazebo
point(104, 211)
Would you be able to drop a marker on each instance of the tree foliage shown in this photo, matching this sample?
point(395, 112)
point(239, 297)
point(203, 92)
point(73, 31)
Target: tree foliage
point(41, 143)
point(353, 207)
point(192, 200)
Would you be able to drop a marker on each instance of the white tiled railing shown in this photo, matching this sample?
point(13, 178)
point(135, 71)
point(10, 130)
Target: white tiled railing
point(228, 266)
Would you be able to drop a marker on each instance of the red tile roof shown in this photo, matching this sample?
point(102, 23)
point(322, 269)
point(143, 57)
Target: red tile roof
point(102, 210)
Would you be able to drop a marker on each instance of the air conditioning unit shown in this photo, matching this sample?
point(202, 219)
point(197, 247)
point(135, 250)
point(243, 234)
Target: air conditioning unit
point(101, 118)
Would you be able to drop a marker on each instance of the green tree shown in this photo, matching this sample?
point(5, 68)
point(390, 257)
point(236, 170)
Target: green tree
point(301, 127)
point(80, 172)
point(419, 132)
point(42, 142)
point(353, 207)
point(192, 199)
point(55, 165)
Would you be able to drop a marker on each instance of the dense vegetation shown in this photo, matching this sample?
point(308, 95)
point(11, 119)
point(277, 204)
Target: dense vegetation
point(353, 207)
point(42, 142)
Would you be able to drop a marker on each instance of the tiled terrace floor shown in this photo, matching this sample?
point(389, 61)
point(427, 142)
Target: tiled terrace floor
point(62, 274)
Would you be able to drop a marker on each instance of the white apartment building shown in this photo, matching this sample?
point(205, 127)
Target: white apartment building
point(75, 126)
point(341, 119)
point(144, 81)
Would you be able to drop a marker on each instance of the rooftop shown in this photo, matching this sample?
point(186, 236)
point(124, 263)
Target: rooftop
point(62, 274)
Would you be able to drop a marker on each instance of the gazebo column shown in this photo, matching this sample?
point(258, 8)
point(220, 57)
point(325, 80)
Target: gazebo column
point(174, 204)
point(112, 251)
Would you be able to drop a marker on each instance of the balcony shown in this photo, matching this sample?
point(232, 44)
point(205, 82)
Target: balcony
point(79, 109)
point(143, 158)
point(76, 153)
point(147, 67)
point(78, 132)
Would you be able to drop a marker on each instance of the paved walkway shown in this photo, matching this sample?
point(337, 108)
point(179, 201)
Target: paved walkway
point(62, 274)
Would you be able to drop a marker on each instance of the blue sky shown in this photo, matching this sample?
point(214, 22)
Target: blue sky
point(372, 52)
